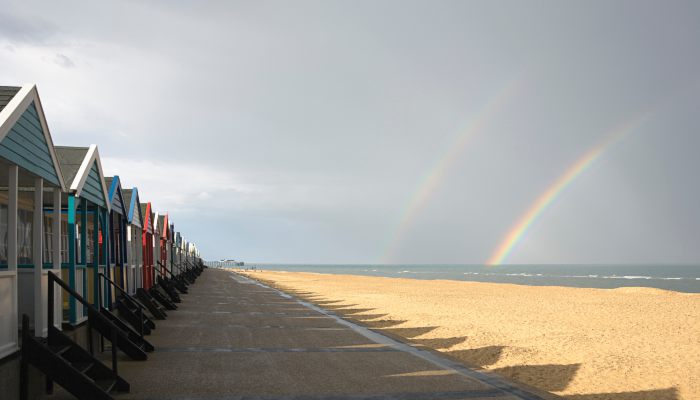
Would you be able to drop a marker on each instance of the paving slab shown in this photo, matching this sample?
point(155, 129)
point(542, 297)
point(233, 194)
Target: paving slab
point(234, 338)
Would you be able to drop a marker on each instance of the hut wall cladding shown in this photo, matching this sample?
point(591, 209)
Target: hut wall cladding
point(93, 187)
point(25, 145)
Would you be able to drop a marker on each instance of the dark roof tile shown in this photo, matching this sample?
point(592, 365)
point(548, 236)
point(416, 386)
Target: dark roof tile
point(6, 94)
point(70, 159)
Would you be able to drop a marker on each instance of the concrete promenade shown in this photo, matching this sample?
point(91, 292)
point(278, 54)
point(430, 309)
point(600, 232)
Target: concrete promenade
point(232, 338)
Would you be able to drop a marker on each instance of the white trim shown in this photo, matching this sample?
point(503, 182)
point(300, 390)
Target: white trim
point(13, 177)
point(14, 110)
point(40, 302)
point(91, 156)
point(81, 176)
point(12, 180)
point(155, 223)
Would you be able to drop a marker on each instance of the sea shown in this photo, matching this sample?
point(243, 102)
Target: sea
point(680, 278)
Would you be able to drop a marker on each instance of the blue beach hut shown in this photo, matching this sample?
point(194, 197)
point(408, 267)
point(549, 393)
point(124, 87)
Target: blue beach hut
point(29, 249)
point(88, 209)
point(134, 239)
point(117, 228)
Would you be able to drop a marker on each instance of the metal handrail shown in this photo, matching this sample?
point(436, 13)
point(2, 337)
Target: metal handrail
point(54, 279)
point(127, 297)
point(163, 266)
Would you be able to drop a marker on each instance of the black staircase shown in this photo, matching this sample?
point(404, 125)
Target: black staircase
point(128, 308)
point(153, 306)
point(169, 289)
point(172, 280)
point(132, 313)
point(162, 297)
point(133, 336)
point(106, 328)
point(64, 361)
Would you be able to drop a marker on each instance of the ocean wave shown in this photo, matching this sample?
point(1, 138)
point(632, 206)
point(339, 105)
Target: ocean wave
point(629, 277)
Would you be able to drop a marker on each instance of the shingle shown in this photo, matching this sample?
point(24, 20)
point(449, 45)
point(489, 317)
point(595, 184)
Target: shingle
point(6, 94)
point(70, 159)
point(126, 194)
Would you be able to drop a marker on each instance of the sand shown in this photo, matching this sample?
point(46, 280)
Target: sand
point(583, 344)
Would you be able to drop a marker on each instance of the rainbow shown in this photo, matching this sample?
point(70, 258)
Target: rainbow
point(520, 229)
point(432, 180)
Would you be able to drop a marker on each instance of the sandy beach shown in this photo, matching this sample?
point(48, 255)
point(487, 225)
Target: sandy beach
point(583, 344)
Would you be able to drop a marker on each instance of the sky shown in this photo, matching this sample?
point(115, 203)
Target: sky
point(385, 131)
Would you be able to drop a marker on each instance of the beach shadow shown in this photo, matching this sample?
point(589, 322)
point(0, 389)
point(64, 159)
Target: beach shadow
point(385, 323)
point(325, 303)
point(408, 333)
point(479, 357)
point(549, 377)
point(366, 317)
point(337, 307)
point(351, 311)
point(439, 343)
point(659, 394)
point(298, 293)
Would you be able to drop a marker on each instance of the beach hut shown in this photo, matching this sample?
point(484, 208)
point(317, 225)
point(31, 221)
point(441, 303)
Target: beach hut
point(118, 221)
point(88, 209)
point(171, 247)
point(157, 228)
point(178, 250)
point(163, 247)
point(29, 249)
point(147, 246)
point(134, 238)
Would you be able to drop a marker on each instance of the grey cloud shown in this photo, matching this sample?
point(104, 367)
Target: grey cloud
point(33, 29)
point(64, 61)
point(339, 110)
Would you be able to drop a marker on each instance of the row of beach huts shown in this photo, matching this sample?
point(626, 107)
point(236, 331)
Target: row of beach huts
point(73, 241)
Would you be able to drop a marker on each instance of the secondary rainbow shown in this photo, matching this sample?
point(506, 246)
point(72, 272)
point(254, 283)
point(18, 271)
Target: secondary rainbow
point(520, 229)
point(432, 180)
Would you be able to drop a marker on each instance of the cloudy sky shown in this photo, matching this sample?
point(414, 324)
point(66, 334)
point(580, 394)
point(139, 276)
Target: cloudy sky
point(384, 131)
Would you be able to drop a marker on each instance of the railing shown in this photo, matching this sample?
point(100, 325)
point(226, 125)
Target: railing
point(54, 279)
point(125, 295)
point(164, 268)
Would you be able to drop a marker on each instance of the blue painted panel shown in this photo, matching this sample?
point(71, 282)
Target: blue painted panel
point(26, 146)
point(92, 190)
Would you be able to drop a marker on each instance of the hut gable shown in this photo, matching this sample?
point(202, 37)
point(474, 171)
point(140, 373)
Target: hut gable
point(147, 217)
point(24, 135)
point(84, 175)
point(131, 197)
point(115, 194)
point(163, 223)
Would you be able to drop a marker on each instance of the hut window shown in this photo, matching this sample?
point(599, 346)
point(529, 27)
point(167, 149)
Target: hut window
point(25, 217)
point(90, 240)
point(48, 236)
point(64, 238)
point(78, 240)
point(3, 231)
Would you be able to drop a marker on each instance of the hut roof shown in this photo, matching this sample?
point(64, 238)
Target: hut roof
point(6, 94)
point(70, 159)
point(127, 193)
